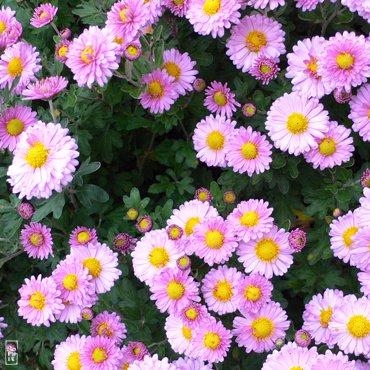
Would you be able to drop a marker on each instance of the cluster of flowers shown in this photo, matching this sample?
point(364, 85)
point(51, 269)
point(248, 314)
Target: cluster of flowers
point(359, 6)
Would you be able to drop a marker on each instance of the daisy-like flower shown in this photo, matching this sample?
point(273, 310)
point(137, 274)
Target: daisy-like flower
point(364, 210)
point(269, 255)
point(43, 15)
point(254, 36)
point(175, 232)
point(214, 241)
point(341, 235)
point(303, 338)
point(160, 91)
point(229, 197)
point(124, 243)
point(45, 89)
point(154, 252)
point(152, 362)
point(44, 160)
point(173, 290)
point(345, 61)
point(71, 313)
point(210, 137)
point(249, 109)
point(360, 108)
point(219, 99)
point(258, 331)
point(307, 5)
point(61, 50)
point(19, 61)
point(132, 50)
point(144, 224)
point(179, 335)
point(181, 68)
point(134, 351)
point(13, 121)
point(102, 264)
point(191, 364)
point(291, 356)
point(183, 263)
point(37, 241)
point(253, 292)
point(67, 354)
point(194, 314)
point(39, 301)
point(177, 7)
point(81, 236)
point(297, 239)
point(302, 68)
point(251, 219)
point(264, 69)
point(92, 57)
point(333, 150)
point(295, 123)
point(219, 288)
point(203, 194)
point(99, 353)
point(25, 210)
point(333, 361)
point(262, 4)
point(213, 16)
point(360, 254)
point(248, 151)
point(109, 325)
point(10, 28)
point(132, 214)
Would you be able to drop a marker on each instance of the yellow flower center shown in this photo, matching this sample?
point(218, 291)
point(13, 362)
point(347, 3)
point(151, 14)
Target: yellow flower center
point(144, 223)
point(132, 214)
point(203, 196)
point(132, 50)
point(83, 237)
point(93, 265)
point(252, 293)
point(249, 150)
point(37, 239)
point(87, 54)
point(155, 89)
point(250, 110)
point(265, 69)
point(118, 40)
point(368, 114)
point(223, 291)
point(2, 27)
point(297, 123)
point(249, 219)
point(37, 155)
point(73, 362)
point(136, 351)
point(183, 261)
point(175, 232)
point(186, 332)
point(296, 368)
point(37, 301)
point(267, 250)
point(126, 366)
point(347, 235)
point(190, 224)
point(327, 147)
point(159, 257)
point(230, 197)
point(62, 51)
point(345, 60)
point(43, 15)
point(214, 239)
point(191, 313)
point(215, 140)
point(173, 70)
point(262, 328)
point(312, 65)
point(70, 282)
point(358, 326)
point(122, 14)
point(99, 355)
point(104, 329)
point(325, 317)
point(175, 290)
point(212, 340)
point(178, 2)
point(86, 315)
point(211, 7)
point(15, 67)
point(255, 40)
point(220, 98)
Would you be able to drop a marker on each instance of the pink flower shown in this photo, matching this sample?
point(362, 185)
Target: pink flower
point(45, 89)
point(364, 210)
point(191, 364)
point(25, 210)
point(109, 325)
point(264, 69)
point(61, 50)
point(333, 361)
point(364, 280)
point(68, 352)
point(360, 255)
point(81, 236)
point(180, 336)
point(308, 5)
point(194, 314)
point(43, 14)
point(10, 28)
point(297, 239)
point(262, 4)
point(152, 362)
point(360, 108)
point(132, 50)
point(177, 7)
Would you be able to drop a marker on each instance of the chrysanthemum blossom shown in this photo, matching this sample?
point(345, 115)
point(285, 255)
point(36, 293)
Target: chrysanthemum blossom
point(37, 241)
point(360, 108)
point(82, 236)
point(248, 151)
point(333, 361)
point(67, 354)
point(43, 15)
point(264, 69)
point(25, 210)
point(109, 325)
point(10, 28)
point(364, 209)
point(46, 89)
point(345, 61)
point(213, 16)
point(342, 96)
point(194, 314)
point(132, 50)
point(92, 57)
point(61, 50)
point(135, 351)
point(262, 4)
point(203, 194)
point(44, 160)
point(180, 336)
point(153, 363)
point(258, 331)
point(360, 255)
point(303, 338)
point(39, 301)
point(254, 36)
point(177, 7)
point(295, 123)
point(191, 364)
point(13, 121)
point(124, 243)
point(297, 239)
point(308, 5)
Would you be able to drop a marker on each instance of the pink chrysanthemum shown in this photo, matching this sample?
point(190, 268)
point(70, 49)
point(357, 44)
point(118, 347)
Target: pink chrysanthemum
point(342, 96)
point(134, 351)
point(19, 61)
point(102, 264)
point(333, 361)
point(81, 236)
point(194, 314)
point(61, 50)
point(364, 210)
point(71, 313)
point(253, 292)
point(191, 364)
point(160, 91)
point(249, 109)
point(177, 7)
point(302, 338)
point(345, 61)
point(92, 57)
point(109, 325)
point(214, 241)
point(295, 123)
point(65, 33)
point(11, 29)
point(44, 160)
point(203, 194)
point(219, 288)
point(67, 354)
point(45, 89)
point(302, 68)
point(132, 50)
point(87, 313)
point(39, 301)
point(199, 84)
point(262, 4)
point(297, 239)
point(248, 151)
point(254, 36)
point(43, 15)
point(220, 100)
point(360, 108)
point(13, 121)
point(264, 69)
point(144, 223)
point(173, 290)
point(179, 335)
point(153, 363)
point(360, 254)
point(25, 210)
point(318, 314)
point(124, 243)
point(210, 137)
point(251, 219)
point(307, 5)
point(333, 150)
point(258, 331)
point(213, 16)
point(269, 255)
point(181, 68)
point(37, 241)
point(341, 235)
point(364, 280)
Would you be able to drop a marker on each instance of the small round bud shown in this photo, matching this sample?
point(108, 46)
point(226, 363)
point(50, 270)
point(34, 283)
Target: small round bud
point(144, 224)
point(175, 232)
point(132, 51)
point(87, 313)
point(124, 243)
point(279, 343)
point(203, 195)
point(249, 109)
point(132, 214)
point(229, 197)
point(183, 263)
point(337, 212)
point(297, 240)
point(199, 84)
point(342, 96)
point(302, 338)
point(66, 33)
point(26, 210)
point(365, 179)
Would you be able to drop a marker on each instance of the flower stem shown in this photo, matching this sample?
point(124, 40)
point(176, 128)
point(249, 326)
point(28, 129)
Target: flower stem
point(52, 111)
